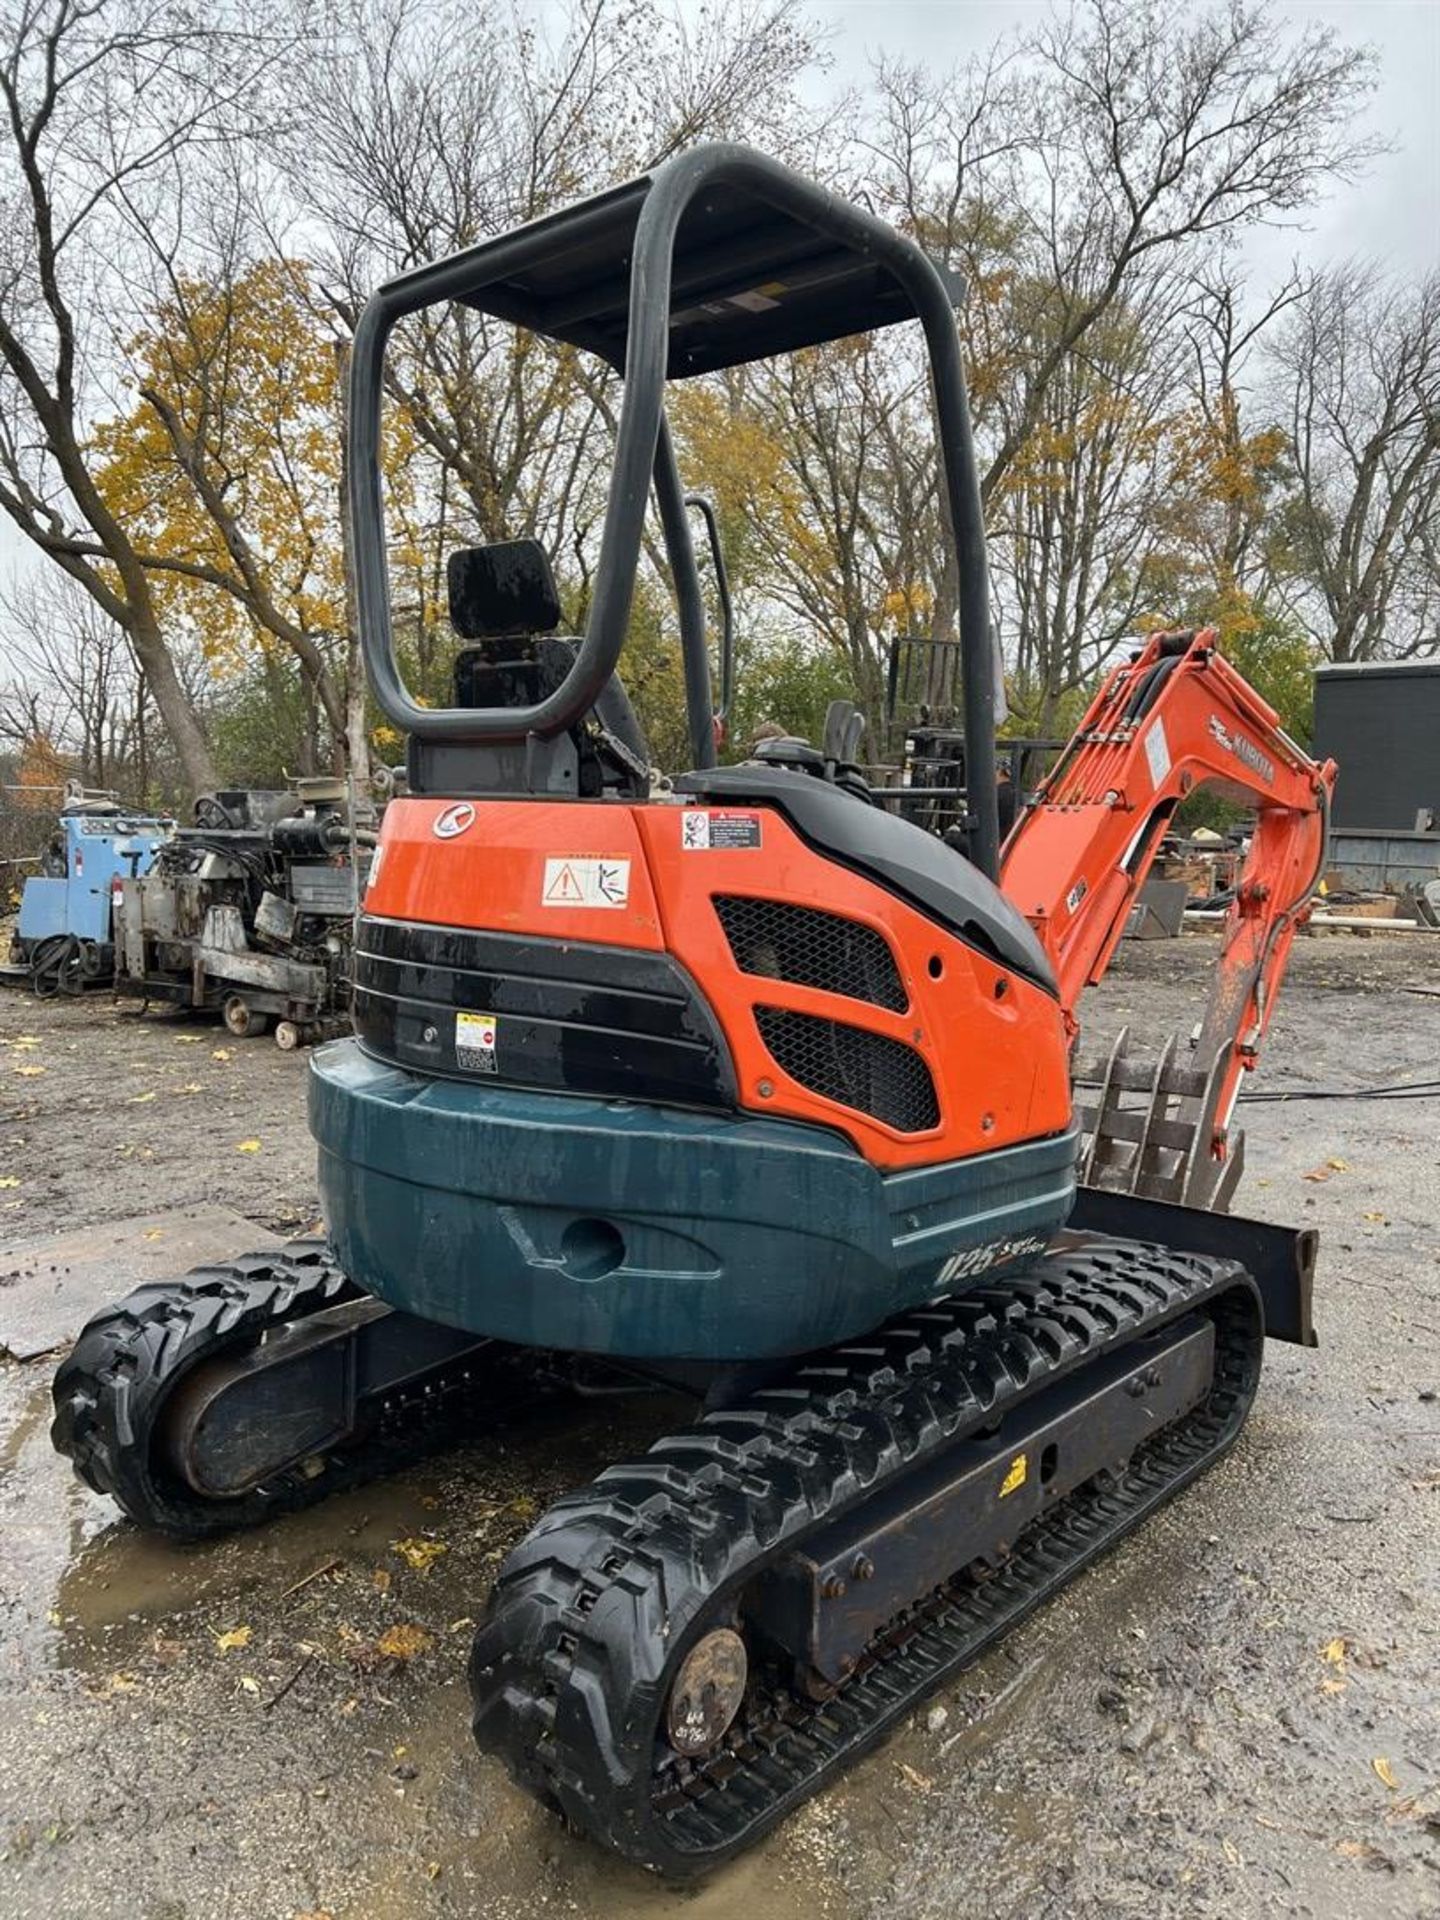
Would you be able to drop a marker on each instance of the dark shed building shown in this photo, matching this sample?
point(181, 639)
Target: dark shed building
point(1381, 725)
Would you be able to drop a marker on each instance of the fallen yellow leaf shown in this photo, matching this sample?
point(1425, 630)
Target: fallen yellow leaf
point(139, 1099)
point(1357, 1850)
point(1386, 1773)
point(247, 1146)
point(191, 1086)
point(419, 1554)
point(27, 1073)
point(250, 1685)
point(1339, 1166)
point(1333, 1651)
point(9, 1181)
point(380, 1579)
point(402, 1642)
point(220, 1053)
point(236, 1637)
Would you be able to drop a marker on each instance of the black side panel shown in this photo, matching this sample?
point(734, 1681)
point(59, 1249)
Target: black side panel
point(1380, 722)
point(896, 855)
point(568, 1018)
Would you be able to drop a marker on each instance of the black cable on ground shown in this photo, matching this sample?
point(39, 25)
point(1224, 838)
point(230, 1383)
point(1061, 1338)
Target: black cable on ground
point(1394, 1090)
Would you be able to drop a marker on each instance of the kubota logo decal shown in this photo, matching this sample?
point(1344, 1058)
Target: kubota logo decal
point(453, 820)
point(1242, 749)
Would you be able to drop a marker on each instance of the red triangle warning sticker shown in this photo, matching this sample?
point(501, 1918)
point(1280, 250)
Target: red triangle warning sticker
point(562, 888)
point(590, 881)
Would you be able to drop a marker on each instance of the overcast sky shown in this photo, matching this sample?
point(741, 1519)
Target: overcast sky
point(1392, 214)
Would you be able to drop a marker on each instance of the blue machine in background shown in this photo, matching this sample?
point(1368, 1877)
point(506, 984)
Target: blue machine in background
point(64, 940)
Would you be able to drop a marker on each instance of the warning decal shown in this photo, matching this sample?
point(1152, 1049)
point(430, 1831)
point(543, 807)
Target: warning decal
point(475, 1041)
point(1157, 751)
point(585, 883)
point(706, 832)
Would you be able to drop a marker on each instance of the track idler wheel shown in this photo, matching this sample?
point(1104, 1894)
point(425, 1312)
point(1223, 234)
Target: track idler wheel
point(707, 1693)
point(115, 1391)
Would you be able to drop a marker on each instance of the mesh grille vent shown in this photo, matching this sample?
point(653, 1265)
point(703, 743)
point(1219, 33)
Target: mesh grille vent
point(811, 949)
point(867, 1071)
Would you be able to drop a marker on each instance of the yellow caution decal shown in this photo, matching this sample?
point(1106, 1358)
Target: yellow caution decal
point(1015, 1475)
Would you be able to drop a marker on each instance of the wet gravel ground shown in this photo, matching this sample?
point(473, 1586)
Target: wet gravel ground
point(1237, 1714)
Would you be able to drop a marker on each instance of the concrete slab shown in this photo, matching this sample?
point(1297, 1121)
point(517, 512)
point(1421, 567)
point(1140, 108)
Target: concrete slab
point(49, 1288)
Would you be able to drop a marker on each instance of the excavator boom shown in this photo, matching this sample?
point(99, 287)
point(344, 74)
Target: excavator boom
point(1174, 717)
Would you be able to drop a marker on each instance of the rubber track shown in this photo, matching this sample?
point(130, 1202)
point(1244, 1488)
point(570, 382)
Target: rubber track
point(594, 1610)
point(110, 1392)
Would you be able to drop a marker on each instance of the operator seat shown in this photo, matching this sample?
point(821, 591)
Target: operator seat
point(503, 597)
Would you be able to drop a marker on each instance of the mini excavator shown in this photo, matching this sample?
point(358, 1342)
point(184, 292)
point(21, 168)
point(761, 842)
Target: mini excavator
point(738, 1082)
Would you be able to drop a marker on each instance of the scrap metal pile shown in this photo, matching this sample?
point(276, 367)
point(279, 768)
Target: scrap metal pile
point(249, 911)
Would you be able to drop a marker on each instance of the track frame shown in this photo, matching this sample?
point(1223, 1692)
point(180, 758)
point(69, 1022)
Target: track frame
point(595, 1612)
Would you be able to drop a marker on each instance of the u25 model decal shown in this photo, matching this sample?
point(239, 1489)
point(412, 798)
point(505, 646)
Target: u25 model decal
point(970, 1261)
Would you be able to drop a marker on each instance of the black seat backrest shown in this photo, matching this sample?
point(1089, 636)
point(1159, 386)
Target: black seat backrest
point(502, 590)
point(504, 599)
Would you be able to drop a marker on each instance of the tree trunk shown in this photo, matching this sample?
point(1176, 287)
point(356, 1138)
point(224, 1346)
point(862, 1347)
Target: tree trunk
point(177, 714)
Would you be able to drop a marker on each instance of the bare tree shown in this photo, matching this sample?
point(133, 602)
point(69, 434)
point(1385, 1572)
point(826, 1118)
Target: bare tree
point(432, 129)
point(1226, 519)
point(102, 107)
point(69, 677)
point(1356, 382)
point(1059, 173)
point(1081, 518)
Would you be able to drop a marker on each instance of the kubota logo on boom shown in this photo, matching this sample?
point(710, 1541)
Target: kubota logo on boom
point(453, 820)
point(1242, 748)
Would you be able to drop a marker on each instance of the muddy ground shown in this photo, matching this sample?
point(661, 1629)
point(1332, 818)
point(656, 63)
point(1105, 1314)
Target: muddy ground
point(1237, 1714)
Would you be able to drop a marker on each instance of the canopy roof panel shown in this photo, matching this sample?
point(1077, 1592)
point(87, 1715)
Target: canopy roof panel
point(749, 280)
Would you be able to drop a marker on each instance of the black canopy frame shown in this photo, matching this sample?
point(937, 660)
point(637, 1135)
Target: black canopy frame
point(718, 257)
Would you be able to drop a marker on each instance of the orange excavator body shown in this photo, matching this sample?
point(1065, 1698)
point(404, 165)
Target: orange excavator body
point(996, 1045)
point(993, 1042)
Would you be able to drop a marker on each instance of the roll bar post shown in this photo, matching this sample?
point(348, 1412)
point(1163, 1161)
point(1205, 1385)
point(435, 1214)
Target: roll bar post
point(643, 454)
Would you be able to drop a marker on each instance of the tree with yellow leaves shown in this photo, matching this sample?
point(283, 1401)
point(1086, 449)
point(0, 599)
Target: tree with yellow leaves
point(229, 465)
point(104, 112)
